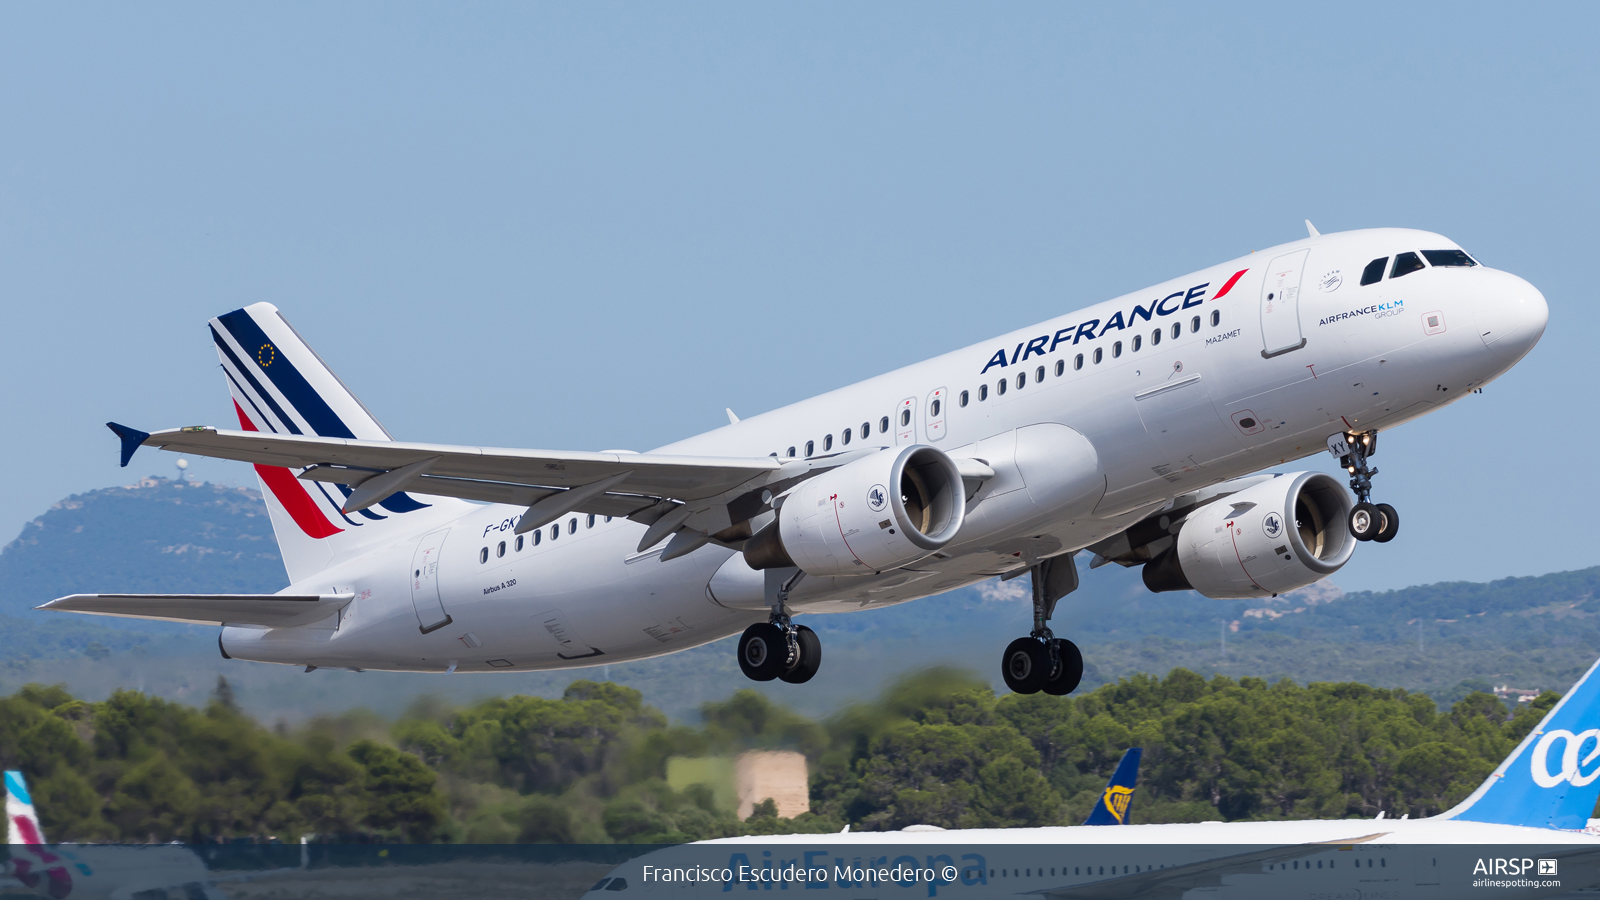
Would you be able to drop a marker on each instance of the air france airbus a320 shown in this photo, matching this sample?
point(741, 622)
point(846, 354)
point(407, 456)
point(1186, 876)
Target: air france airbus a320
point(1129, 429)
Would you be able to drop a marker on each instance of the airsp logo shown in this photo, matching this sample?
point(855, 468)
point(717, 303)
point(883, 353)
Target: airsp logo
point(1272, 525)
point(877, 498)
point(1575, 771)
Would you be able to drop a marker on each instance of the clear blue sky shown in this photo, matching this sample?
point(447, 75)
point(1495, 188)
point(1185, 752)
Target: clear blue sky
point(595, 225)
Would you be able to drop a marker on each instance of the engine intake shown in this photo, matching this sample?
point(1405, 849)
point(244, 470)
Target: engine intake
point(1273, 537)
point(880, 512)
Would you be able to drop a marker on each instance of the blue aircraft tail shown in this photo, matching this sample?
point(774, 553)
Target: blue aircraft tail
point(1113, 806)
point(1552, 779)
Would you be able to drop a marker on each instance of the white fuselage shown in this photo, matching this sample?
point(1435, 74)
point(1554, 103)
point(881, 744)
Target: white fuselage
point(1425, 858)
point(1080, 451)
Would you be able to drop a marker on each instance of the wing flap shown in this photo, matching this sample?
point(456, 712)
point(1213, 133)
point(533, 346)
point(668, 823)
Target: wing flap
point(272, 610)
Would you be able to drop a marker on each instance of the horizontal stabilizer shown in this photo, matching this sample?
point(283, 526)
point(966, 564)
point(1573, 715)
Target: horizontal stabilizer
point(272, 610)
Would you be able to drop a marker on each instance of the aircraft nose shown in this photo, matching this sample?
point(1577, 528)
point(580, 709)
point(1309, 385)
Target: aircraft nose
point(1512, 317)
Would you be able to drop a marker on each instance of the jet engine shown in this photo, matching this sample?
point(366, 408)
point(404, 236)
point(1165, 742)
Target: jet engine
point(879, 512)
point(1276, 536)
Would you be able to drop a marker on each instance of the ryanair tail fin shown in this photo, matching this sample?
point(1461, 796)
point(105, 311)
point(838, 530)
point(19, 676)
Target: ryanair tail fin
point(280, 385)
point(1113, 806)
point(1552, 779)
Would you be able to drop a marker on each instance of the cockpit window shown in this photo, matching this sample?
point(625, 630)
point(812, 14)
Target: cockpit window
point(1373, 273)
point(599, 884)
point(1405, 264)
point(1449, 258)
point(617, 884)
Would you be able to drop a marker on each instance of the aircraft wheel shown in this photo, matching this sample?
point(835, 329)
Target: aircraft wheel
point(763, 651)
point(810, 660)
point(1026, 665)
point(1391, 523)
point(1364, 522)
point(1068, 671)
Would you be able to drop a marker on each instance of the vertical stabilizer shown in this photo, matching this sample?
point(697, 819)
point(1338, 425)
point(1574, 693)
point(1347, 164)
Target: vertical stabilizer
point(280, 385)
point(21, 820)
point(1112, 809)
point(1552, 779)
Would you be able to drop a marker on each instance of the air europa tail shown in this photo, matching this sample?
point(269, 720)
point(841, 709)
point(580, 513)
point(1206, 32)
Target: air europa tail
point(1552, 779)
point(1112, 809)
point(22, 822)
point(280, 385)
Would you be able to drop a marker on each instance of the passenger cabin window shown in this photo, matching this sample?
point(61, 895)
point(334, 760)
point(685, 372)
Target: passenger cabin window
point(933, 408)
point(1077, 362)
point(572, 526)
point(1405, 264)
point(590, 523)
point(883, 425)
point(537, 534)
point(1177, 329)
point(983, 392)
point(827, 442)
point(1000, 386)
point(483, 556)
point(555, 531)
point(1038, 375)
point(519, 543)
point(811, 448)
point(1194, 325)
point(846, 436)
point(1116, 349)
point(790, 454)
point(1099, 354)
point(866, 430)
point(1216, 317)
point(1137, 340)
point(1373, 273)
point(1155, 337)
point(905, 417)
point(1022, 380)
point(1448, 258)
point(500, 550)
point(964, 398)
point(1061, 367)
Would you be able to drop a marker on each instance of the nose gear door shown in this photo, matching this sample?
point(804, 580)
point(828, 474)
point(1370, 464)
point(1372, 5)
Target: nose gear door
point(425, 583)
point(1280, 305)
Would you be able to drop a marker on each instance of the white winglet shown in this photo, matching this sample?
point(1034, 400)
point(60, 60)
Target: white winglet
point(1312, 229)
point(732, 419)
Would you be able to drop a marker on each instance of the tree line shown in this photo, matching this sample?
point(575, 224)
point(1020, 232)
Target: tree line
point(937, 747)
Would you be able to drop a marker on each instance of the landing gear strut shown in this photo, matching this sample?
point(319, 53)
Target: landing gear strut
point(777, 648)
point(1041, 661)
point(1368, 521)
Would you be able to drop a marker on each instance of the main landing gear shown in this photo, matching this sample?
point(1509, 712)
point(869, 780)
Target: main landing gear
point(777, 648)
point(1368, 521)
point(1041, 661)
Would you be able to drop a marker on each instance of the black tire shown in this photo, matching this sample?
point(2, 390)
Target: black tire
point(1025, 666)
point(1364, 521)
point(1069, 669)
point(763, 652)
point(810, 660)
point(1391, 523)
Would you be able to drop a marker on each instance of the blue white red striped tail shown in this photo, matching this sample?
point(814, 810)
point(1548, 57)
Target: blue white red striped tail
point(280, 385)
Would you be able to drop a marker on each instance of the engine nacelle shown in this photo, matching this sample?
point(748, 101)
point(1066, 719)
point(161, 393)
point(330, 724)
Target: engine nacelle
point(1273, 537)
point(880, 512)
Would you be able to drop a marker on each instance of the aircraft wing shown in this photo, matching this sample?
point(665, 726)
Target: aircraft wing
point(1173, 882)
point(273, 610)
point(633, 483)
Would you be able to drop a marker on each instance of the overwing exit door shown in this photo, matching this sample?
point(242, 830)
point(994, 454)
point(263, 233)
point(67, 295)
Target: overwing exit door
point(1280, 305)
point(905, 422)
point(425, 583)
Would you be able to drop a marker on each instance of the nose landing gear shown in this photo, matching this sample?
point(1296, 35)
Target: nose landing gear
point(777, 648)
point(1041, 661)
point(1368, 521)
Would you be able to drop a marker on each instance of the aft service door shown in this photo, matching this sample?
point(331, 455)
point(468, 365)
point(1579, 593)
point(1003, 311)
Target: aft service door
point(1280, 305)
point(425, 583)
